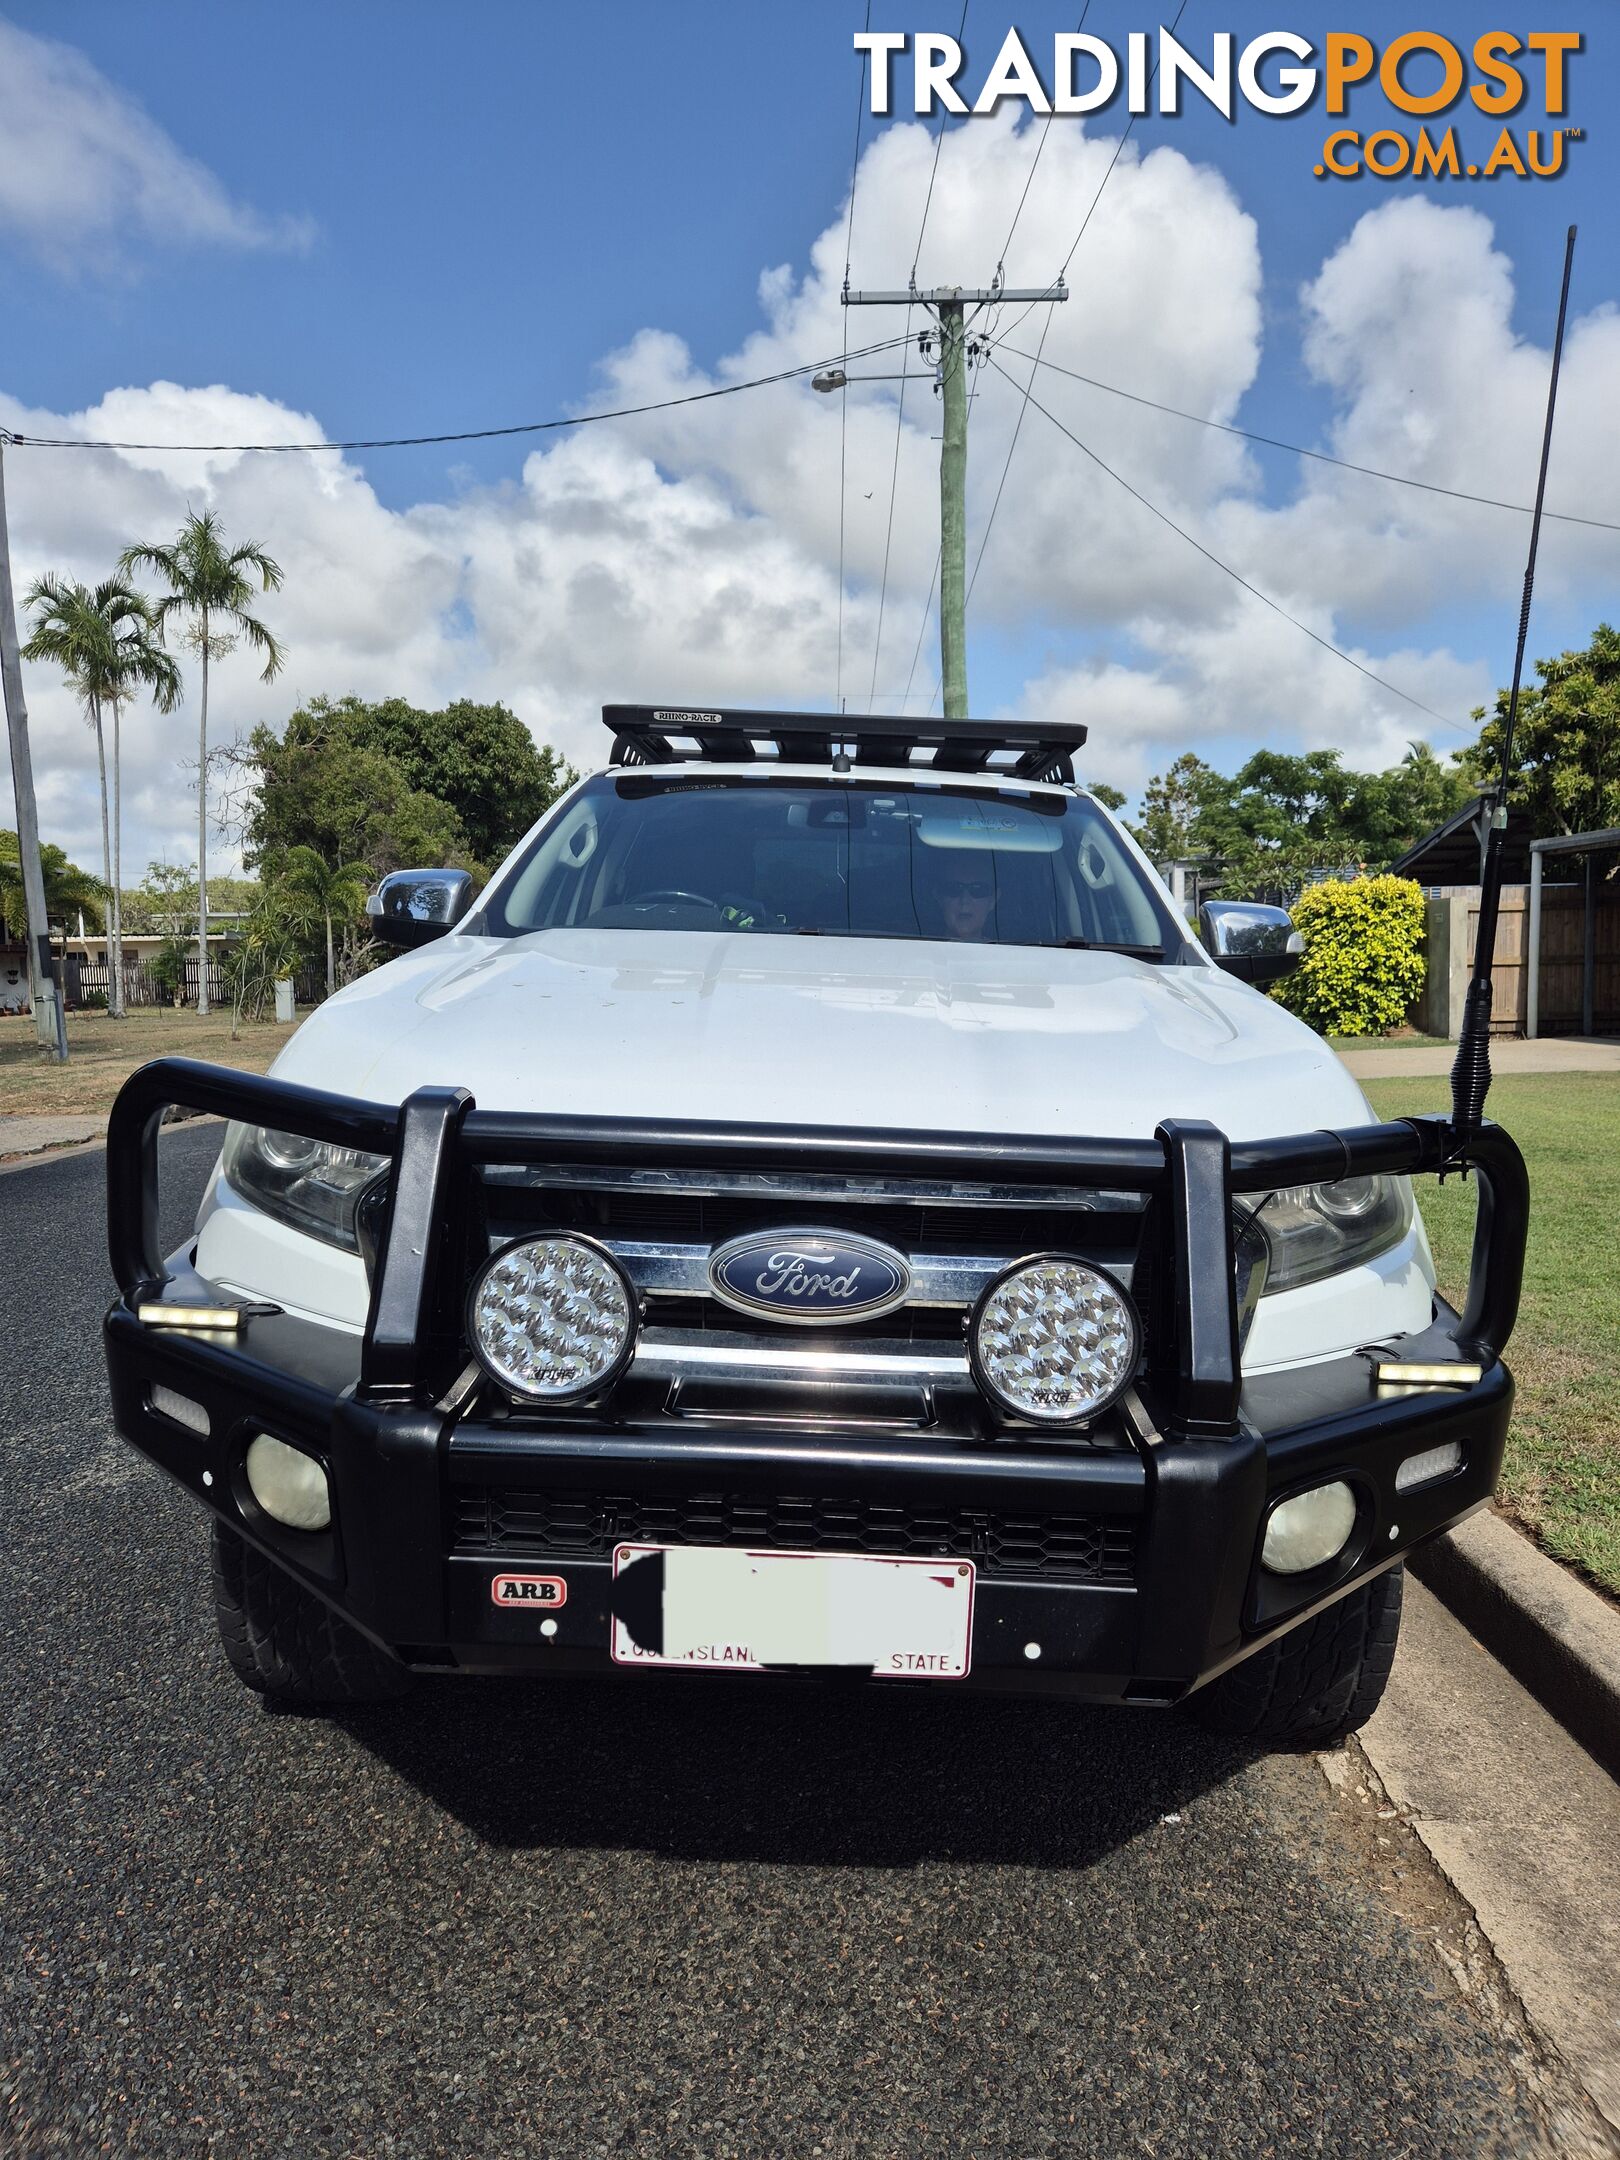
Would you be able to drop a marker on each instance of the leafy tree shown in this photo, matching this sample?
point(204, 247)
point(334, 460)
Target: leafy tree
point(1386, 812)
point(1111, 798)
point(211, 588)
point(392, 786)
point(165, 901)
point(348, 803)
point(1284, 817)
point(269, 951)
point(167, 968)
point(1281, 797)
point(1176, 807)
point(312, 889)
point(1566, 749)
point(105, 642)
point(481, 760)
point(69, 891)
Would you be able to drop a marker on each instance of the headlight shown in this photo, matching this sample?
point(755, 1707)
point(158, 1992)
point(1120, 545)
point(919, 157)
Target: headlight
point(553, 1318)
point(304, 1183)
point(1054, 1340)
point(1317, 1230)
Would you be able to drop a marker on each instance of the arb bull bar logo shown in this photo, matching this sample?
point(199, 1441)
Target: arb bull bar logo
point(533, 1592)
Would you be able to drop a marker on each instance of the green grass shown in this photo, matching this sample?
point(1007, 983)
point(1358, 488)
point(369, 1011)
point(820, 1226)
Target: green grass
point(1562, 1474)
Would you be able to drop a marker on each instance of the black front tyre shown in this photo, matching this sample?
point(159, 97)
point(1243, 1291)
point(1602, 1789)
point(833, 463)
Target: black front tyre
point(1315, 1684)
point(284, 1643)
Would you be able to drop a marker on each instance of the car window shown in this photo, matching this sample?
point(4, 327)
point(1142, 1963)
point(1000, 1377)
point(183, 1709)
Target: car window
point(835, 858)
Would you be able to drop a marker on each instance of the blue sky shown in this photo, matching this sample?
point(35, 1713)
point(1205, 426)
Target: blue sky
point(462, 213)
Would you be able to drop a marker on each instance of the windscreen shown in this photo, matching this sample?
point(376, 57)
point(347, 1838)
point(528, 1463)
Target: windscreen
point(835, 858)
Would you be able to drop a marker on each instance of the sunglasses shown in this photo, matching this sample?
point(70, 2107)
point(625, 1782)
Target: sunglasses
point(969, 889)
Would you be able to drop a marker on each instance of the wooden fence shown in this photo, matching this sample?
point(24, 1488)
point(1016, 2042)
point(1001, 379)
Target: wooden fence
point(1563, 951)
point(89, 981)
point(1453, 924)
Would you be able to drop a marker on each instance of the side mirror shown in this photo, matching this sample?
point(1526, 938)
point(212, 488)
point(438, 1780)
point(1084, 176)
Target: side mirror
point(412, 907)
point(1257, 944)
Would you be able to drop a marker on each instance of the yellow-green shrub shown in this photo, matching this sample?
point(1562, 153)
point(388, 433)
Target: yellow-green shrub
point(1363, 963)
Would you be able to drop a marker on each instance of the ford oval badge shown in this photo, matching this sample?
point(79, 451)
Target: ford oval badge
point(813, 1278)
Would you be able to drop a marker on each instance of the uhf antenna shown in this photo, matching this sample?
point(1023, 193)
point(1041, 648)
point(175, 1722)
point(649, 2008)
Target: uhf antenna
point(1471, 1071)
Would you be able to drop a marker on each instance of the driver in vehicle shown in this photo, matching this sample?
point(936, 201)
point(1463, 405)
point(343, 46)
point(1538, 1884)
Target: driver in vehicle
point(961, 899)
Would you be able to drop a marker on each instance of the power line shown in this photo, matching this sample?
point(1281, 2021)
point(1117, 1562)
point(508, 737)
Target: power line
point(933, 170)
point(407, 442)
point(928, 609)
point(843, 388)
point(1210, 556)
point(1119, 148)
point(1029, 177)
point(888, 530)
point(1273, 442)
point(900, 404)
point(1018, 424)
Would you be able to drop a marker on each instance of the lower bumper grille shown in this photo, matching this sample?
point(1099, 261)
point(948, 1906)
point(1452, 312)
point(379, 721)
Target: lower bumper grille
point(563, 1524)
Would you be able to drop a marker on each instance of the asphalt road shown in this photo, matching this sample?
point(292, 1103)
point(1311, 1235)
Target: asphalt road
point(697, 1916)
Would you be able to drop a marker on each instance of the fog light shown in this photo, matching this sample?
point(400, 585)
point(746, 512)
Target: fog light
point(1435, 1462)
point(1309, 1530)
point(1054, 1340)
point(553, 1318)
point(288, 1484)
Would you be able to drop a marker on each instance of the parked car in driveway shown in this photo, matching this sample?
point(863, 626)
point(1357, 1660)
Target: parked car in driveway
point(819, 1209)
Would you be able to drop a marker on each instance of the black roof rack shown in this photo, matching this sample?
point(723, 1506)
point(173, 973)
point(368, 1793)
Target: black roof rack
point(649, 735)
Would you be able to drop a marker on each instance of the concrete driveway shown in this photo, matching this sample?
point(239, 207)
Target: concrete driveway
point(1389, 1061)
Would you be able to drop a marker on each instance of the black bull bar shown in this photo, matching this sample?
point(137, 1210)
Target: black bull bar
point(1191, 1385)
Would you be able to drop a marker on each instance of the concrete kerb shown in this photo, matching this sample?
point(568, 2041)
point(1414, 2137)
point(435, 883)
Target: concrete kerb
point(1559, 1639)
point(26, 1142)
point(24, 1135)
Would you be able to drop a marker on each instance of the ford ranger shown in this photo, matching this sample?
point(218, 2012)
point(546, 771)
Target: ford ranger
point(819, 1209)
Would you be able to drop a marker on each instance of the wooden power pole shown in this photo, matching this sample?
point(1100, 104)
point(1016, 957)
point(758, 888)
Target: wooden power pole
point(949, 306)
point(49, 1022)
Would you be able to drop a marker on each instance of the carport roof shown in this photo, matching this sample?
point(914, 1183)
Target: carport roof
point(1450, 854)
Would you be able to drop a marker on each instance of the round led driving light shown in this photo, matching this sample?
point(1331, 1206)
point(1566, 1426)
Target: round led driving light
point(552, 1318)
point(1309, 1530)
point(1054, 1340)
point(287, 1483)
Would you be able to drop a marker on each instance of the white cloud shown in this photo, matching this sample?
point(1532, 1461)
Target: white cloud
point(1409, 325)
point(83, 168)
point(693, 554)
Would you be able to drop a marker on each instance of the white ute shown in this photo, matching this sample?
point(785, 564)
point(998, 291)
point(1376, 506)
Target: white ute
point(819, 1207)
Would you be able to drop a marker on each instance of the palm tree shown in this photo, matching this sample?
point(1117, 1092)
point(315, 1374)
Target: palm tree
point(314, 887)
point(266, 953)
point(139, 663)
point(105, 643)
point(209, 585)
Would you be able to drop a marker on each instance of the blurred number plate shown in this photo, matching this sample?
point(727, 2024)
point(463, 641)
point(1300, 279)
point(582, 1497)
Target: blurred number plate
point(747, 1611)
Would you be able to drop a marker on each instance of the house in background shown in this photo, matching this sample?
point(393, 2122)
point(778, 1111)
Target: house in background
point(1556, 968)
point(82, 956)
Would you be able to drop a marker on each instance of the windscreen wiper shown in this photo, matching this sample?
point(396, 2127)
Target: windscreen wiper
point(1131, 952)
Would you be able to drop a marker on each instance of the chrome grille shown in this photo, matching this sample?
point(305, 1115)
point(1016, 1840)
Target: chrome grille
point(956, 1237)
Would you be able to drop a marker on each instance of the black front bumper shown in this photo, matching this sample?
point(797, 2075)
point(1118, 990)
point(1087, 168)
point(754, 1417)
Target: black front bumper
point(1126, 1570)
